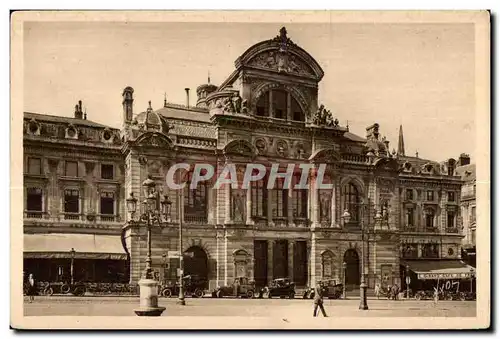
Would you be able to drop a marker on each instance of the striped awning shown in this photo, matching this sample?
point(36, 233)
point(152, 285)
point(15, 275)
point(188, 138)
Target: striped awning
point(86, 246)
point(441, 269)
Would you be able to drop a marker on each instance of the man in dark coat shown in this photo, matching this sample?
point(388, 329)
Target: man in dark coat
point(318, 300)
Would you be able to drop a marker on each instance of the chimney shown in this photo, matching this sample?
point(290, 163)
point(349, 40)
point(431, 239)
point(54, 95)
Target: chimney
point(127, 103)
point(78, 110)
point(464, 159)
point(187, 96)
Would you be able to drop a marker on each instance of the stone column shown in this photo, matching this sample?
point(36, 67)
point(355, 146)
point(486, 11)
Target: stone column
point(218, 256)
point(227, 205)
point(334, 206)
point(270, 248)
point(249, 220)
point(314, 193)
point(290, 205)
point(312, 279)
point(419, 250)
point(226, 263)
point(291, 245)
point(270, 221)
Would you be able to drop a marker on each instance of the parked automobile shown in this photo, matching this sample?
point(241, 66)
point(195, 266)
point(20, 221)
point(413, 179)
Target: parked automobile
point(50, 288)
point(241, 287)
point(282, 287)
point(194, 286)
point(329, 287)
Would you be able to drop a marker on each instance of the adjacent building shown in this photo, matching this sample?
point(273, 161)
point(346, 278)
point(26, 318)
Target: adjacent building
point(401, 212)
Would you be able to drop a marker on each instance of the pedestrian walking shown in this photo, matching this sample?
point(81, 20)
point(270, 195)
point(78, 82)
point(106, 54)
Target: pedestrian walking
point(31, 288)
point(436, 295)
point(318, 300)
point(377, 290)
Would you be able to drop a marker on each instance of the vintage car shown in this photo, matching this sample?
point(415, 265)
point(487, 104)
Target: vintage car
point(49, 288)
point(282, 287)
point(241, 287)
point(330, 288)
point(193, 285)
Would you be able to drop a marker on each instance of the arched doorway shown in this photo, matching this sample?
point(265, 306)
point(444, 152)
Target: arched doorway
point(352, 274)
point(196, 262)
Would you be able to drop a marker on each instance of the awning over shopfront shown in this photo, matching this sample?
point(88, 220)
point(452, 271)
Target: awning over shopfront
point(87, 246)
point(441, 269)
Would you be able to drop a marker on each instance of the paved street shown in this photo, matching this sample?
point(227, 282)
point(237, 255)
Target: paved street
point(124, 306)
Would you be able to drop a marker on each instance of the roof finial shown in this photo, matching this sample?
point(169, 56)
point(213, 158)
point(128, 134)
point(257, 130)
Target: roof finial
point(401, 142)
point(85, 113)
point(416, 154)
point(165, 99)
point(150, 108)
point(347, 125)
point(209, 77)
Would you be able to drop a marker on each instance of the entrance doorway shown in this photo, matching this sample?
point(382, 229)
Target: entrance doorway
point(196, 262)
point(260, 263)
point(352, 271)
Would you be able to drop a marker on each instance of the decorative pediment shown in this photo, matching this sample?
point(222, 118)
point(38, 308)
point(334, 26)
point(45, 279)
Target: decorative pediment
point(328, 155)
point(240, 147)
point(154, 139)
point(281, 55)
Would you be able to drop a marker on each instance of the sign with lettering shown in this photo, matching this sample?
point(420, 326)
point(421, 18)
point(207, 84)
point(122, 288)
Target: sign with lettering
point(435, 276)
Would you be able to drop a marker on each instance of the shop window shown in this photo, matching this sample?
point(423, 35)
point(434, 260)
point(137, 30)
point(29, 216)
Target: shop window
point(34, 166)
point(107, 203)
point(107, 171)
point(71, 201)
point(430, 251)
point(34, 196)
point(409, 251)
point(71, 169)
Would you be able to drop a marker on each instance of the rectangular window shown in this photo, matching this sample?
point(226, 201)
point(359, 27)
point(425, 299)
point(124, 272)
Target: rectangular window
point(409, 251)
point(430, 251)
point(279, 199)
point(107, 171)
point(473, 214)
point(259, 198)
point(429, 220)
point(409, 217)
point(451, 196)
point(409, 194)
point(299, 203)
point(34, 199)
point(451, 220)
point(430, 195)
point(108, 203)
point(71, 169)
point(71, 201)
point(35, 166)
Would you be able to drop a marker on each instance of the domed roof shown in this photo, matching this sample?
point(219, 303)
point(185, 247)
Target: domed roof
point(149, 120)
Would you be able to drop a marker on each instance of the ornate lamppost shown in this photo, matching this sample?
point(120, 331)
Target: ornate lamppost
point(156, 209)
point(72, 254)
point(363, 305)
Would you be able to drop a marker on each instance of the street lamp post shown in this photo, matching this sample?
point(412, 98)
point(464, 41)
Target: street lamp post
point(408, 280)
point(180, 208)
point(344, 266)
point(471, 279)
point(363, 304)
point(72, 253)
point(156, 208)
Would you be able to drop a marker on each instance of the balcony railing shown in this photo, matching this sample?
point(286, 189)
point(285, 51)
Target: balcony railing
point(354, 158)
point(195, 219)
point(452, 230)
point(104, 217)
point(72, 216)
point(34, 214)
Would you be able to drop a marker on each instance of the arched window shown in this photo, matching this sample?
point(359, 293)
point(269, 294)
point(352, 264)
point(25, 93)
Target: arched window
point(279, 104)
point(195, 201)
point(351, 201)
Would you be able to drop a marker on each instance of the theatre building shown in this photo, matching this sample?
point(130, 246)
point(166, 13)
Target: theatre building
point(403, 213)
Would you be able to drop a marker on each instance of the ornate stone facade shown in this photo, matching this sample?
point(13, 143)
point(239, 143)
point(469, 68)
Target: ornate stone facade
point(266, 112)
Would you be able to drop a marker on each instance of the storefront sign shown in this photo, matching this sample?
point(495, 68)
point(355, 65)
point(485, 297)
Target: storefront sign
point(435, 276)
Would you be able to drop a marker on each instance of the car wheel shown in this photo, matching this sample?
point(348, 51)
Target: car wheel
point(48, 291)
point(219, 294)
point(291, 295)
point(79, 291)
point(167, 293)
point(65, 288)
point(269, 295)
point(250, 294)
point(198, 293)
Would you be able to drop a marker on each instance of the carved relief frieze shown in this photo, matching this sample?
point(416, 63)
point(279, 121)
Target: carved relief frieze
point(281, 148)
point(261, 145)
point(281, 62)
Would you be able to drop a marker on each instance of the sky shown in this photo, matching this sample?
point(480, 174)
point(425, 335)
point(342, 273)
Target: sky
point(418, 75)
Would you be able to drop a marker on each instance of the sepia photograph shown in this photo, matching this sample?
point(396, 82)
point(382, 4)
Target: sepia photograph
point(250, 170)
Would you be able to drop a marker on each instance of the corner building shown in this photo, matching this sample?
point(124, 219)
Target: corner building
point(267, 112)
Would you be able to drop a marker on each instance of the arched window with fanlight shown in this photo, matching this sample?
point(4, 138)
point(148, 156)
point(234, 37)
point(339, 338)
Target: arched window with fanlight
point(279, 104)
point(351, 201)
point(195, 201)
